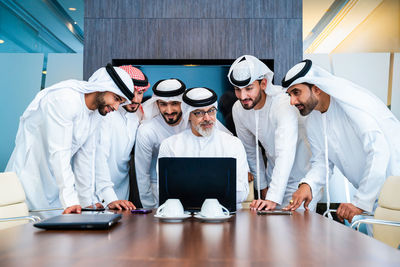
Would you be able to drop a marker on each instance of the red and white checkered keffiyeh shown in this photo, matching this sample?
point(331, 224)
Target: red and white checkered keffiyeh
point(136, 74)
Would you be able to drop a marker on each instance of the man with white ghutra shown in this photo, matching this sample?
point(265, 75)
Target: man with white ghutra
point(262, 114)
point(163, 118)
point(115, 139)
point(347, 127)
point(55, 128)
point(207, 137)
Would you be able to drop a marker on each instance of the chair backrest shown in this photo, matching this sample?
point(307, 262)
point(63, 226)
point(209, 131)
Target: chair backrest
point(12, 200)
point(388, 209)
point(250, 196)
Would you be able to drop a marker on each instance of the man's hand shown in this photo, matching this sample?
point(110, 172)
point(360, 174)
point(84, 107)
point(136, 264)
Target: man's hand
point(259, 204)
point(121, 205)
point(73, 209)
point(347, 211)
point(250, 177)
point(97, 206)
point(301, 194)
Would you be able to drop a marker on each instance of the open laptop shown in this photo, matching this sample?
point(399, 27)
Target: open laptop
point(79, 221)
point(192, 180)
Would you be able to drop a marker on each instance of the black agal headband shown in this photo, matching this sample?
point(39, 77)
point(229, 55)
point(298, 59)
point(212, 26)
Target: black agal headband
point(170, 93)
point(120, 84)
point(141, 83)
point(301, 73)
point(200, 102)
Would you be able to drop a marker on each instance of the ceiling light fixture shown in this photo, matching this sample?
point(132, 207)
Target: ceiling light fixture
point(72, 8)
point(1, 41)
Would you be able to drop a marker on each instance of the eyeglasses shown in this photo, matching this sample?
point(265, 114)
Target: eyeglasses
point(201, 113)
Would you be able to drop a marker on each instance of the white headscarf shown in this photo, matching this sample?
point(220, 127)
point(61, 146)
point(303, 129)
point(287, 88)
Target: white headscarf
point(150, 107)
point(249, 67)
point(100, 81)
point(200, 94)
point(350, 97)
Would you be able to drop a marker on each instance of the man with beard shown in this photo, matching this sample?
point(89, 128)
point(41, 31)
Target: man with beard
point(349, 127)
point(205, 139)
point(115, 139)
point(55, 127)
point(163, 118)
point(263, 115)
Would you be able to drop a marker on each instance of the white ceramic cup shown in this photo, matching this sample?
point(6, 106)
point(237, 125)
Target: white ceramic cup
point(212, 209)
point(171, 208)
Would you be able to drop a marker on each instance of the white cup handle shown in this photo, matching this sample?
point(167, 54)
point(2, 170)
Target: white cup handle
point(160, 208)
point(226, 211)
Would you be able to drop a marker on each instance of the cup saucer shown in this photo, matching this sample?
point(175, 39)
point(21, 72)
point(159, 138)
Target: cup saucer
point(173, 218)
point(212, 219)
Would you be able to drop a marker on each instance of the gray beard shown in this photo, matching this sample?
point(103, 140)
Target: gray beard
point(205, 133)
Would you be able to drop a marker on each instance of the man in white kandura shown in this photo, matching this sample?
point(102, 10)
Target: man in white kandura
point(163, 118)
point(263, 115)
point(54, 127)
point(205, 139)
point(349, 127)
point(115, 141)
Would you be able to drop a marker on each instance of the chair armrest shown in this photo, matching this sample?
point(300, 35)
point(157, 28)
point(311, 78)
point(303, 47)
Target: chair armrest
point(31, 218)
point(357, 223)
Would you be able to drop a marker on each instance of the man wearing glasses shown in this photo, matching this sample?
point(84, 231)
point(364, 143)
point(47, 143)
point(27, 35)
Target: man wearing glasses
point(205, 138)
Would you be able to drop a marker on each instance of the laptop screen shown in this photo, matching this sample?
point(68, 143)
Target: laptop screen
point(192, 180)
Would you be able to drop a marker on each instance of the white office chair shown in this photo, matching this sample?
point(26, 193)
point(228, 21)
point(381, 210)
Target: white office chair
point(386, 220)
point(13, 209)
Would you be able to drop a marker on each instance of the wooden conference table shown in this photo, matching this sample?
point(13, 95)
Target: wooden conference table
point(303, 239)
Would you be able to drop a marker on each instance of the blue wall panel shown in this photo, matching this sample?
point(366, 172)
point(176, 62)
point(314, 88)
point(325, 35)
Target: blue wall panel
point(20, 79)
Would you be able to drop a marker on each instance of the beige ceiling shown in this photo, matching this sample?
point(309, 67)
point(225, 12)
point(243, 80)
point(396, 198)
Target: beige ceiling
point(313, 10)
point(371, 25)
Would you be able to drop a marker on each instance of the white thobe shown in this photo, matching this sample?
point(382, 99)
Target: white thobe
point(361, 154)
point(284, 141)
point(149, 137)
point(46, 142)
point(116, 137)
point(219, 144)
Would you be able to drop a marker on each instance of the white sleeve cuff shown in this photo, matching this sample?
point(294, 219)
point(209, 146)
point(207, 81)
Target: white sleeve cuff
point(107, 196)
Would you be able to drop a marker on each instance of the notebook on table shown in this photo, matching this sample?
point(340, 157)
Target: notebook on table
point(79, 221)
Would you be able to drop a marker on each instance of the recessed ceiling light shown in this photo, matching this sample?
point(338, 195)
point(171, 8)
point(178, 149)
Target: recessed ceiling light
point(44, 72)
point(1, 41)
point(72, 8)
point(75, 22)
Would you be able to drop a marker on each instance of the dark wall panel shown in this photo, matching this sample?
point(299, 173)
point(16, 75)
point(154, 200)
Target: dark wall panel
point(207, 29)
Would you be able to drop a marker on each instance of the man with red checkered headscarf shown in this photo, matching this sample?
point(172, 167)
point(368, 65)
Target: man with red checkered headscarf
point(115, 139)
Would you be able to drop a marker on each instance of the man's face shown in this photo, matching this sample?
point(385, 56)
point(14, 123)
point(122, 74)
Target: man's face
point(202, 120)
point(135, 103)
point(250, 95)
point(108, 101)
point(171, 111)
point(303, 98)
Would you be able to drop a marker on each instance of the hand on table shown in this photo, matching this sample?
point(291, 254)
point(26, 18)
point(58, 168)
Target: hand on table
point(347, 211)
point(121, 205)
point(73, 209)
point(259, 204)
point(303, 194)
